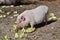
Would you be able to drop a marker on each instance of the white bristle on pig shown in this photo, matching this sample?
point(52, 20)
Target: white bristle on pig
point(32, 17)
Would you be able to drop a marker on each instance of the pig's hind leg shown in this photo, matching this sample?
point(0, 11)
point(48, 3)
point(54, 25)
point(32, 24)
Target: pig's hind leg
point(46, 19)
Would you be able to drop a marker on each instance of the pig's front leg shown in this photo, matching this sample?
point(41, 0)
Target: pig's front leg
point(32, 24)
point(45, 19)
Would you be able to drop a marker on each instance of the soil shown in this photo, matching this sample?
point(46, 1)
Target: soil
point(51, 31)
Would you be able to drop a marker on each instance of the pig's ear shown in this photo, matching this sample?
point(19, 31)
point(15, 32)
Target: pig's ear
point(23, 18)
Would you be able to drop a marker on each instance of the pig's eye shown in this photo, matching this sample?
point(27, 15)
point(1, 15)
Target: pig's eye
point(22, 18)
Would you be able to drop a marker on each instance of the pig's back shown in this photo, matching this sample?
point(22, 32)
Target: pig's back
point(39, 13)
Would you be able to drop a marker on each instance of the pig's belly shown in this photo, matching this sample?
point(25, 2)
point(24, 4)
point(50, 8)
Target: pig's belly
point(39, 18)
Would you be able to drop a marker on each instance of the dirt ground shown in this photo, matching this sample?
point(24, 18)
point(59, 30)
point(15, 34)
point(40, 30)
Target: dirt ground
point(50, 31)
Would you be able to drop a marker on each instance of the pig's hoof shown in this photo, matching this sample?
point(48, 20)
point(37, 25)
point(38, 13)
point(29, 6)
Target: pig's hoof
point(30, 29)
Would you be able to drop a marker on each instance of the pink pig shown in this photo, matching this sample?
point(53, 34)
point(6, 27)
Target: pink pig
point(7, 1)
point(32, 17)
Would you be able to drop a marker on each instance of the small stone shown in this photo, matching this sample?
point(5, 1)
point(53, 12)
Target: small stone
point(14, 27)
point(1, 11)
point(1, 16)
point(52, 27)
point(4, 15)
point(52, 18)
point(15, 12)
point(5, 37)
point(11, 17)
point(30, 29)
point(15, 15)
point(21, 6)
point(12, 6)
point(23, 30)
point(49, 18)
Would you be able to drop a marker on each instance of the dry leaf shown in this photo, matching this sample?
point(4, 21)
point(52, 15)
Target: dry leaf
point(30, 29)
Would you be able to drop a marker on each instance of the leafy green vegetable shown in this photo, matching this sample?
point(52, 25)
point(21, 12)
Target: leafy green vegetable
point(1, 16)
point(23, 35)
point(23, 30)
point(16, 35)
point(8, 13)
point(14, 26)
point(5, 37)
point(30, 29)
point(51, 14)
point(53, 18)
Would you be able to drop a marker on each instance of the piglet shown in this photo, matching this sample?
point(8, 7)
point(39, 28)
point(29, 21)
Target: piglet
point(32, 17)
point(7, 2)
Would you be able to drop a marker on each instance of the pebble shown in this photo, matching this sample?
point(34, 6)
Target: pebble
point(15, 15)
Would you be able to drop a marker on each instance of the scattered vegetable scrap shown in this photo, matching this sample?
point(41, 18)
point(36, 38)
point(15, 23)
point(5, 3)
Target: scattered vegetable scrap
point(52, 17)
point(21, 6)
point(1, 16)
point(16, 35)
point(14, 27)
point(8, 13)
point(5, 37)
point(23, 30)
point(23, 35)
point(15, 15)
point(51, 14)
point(30, 29)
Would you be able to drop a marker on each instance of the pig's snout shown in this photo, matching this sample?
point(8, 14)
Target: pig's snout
point(19, 25)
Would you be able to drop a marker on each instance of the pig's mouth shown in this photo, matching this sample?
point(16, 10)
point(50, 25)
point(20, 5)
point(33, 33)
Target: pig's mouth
point(19, 25)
